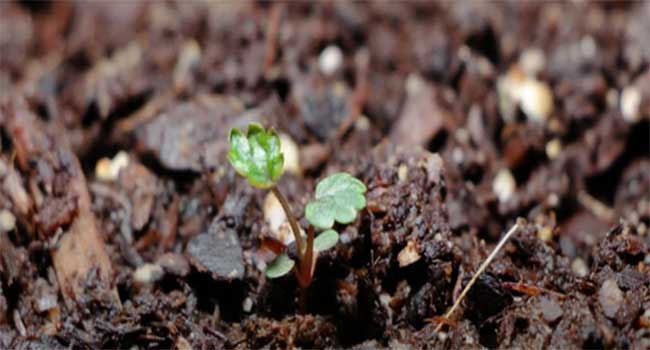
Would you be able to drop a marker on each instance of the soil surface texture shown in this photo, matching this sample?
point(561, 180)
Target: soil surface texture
point(122, 224)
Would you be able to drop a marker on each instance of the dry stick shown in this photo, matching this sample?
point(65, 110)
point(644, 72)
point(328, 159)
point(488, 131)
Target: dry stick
point(598, 208)
point(292, 220)
point(480, 270)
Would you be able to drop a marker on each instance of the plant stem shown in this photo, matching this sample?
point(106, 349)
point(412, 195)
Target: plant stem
point(292, 220)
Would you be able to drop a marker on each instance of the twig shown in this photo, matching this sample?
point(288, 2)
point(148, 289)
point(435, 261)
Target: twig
point(480, 270)
point(598, 208)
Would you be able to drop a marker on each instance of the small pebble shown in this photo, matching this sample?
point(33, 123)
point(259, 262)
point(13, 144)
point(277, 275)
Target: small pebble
point(183, 344)
point(247, 305)
point(553, 148)
point(148, 273)
point(610, 298)
point(408, 255)
point(551, 310)
point(588, 47)
point(109, 169)
point(330, 60)
point(612, 98)
point(553, 200)
point(7, 221)
point(291, 154)
point(579, 267)
point(630, 103)
point(536, 100)
point(175, 264)
point(402, 172)
point(46, 302)
point(442, 336)
point(504, 185)
point(545, 234)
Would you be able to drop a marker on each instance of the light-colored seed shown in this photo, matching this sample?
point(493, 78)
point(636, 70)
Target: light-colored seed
point(402, 172)
point(273, 212)
point(610, 298)
point(545, 234)
point(7, 221)
point(579, 267)
point(504, 185)
point(330, 60)
point(553, 148)
point(408, 255)
point(536, 100)
point(109, 169)
point(630, 103)
point(247, 305)
point(148, 273)
point(291, 154)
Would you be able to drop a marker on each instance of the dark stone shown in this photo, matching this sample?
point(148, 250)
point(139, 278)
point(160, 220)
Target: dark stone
point(217, 251)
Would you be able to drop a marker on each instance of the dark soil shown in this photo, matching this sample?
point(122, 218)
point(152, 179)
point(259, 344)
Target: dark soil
point(428, 106)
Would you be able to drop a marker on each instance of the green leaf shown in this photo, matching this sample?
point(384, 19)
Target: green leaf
point(338, 198)
point(257, 155)
point(325, 240)
point(279, 267)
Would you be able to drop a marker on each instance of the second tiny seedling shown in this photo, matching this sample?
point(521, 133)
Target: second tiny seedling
point(257, 156)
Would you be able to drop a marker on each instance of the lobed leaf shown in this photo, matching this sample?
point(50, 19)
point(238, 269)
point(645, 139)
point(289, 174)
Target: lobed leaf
point(280, 266)
point(257, 155)
point(338, 198)
point(325, 240)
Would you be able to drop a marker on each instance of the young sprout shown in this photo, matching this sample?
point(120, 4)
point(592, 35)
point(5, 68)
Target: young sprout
point(257, 156)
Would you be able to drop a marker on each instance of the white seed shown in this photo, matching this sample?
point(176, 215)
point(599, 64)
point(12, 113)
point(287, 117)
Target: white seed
point(612, 98)
point(408, 255)
point(7, 221)
point(291, 154)
point(183, 344)
point(536, 100)
point(109, 169)
point(553, 200)
point(504, 185)
point(508, 90)
point(273, 213)
point(579, 267)
point(414, 83)
point(402, 172)
point(630, 103)
point(610, 297)
point(330, 60)
point(532, 61)
point(148, 273)
point(362, 123)
point(545, 234)
point(247, 305)
point(553, 148)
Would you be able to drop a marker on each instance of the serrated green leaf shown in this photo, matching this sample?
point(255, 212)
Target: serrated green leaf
point(280, 266)
point(325, 240)
point(338, 198)
point(257, 155)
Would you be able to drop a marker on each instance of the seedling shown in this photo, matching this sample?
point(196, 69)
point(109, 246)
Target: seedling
point(257, 156)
